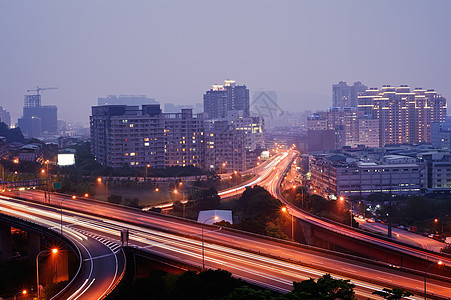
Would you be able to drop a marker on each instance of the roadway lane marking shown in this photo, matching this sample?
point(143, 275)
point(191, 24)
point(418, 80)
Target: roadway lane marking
point(99, 257)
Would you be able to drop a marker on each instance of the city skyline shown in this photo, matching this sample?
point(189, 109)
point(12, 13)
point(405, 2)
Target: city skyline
point(298, 49)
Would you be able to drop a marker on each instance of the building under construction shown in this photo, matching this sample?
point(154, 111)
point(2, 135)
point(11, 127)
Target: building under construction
point(37, 119)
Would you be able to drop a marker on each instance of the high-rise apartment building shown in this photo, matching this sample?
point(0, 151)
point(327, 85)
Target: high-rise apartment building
point(38, 119)
point(184, 139)
point(404, 116)
point(228, 97)
point(225, 147)
point(346, 96)
point(122, 134)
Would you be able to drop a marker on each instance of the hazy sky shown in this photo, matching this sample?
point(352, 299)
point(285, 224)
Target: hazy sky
point(174, 51)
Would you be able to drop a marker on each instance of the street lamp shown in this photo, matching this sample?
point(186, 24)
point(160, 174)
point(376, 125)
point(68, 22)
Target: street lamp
point(285, 210)
point(203, 251)
point(341, 198)
point(436, 223)
point(147, 167)
point(425, 274)
point(51, 251)
point(99, 180)
point(24, 292)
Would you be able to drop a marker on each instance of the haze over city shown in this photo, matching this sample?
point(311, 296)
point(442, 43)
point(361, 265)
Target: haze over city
point(174, 51)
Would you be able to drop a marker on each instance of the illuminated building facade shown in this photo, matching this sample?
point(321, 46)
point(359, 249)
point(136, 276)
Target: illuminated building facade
point(228, 97)
point(404, 116)
point(122, 134)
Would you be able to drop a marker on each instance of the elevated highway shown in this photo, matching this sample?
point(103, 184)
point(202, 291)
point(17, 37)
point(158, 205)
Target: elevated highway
point(264, 261)
point(273, 182)
point(102, 263)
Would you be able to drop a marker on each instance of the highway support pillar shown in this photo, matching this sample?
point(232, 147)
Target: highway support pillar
point(306, 231)
point(5, 243)
point(34, 245)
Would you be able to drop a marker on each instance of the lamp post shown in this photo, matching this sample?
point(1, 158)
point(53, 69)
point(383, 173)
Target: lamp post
point(184, 205)
point(24, 292)
point(147, 167)
point(425, 275)
point(350, 203)
point(99, 180)
point(203, 250)
point(285, 210)
point(436, 223)
point(52, 251)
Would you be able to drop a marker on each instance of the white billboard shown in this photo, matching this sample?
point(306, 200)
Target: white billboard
point(67, 159)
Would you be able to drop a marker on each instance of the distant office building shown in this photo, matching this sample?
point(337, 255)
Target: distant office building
point(441, 134)
point(222, 98)
point(122, 134)
point(404, 116)
point(5, 117)
point(348, 124)
point(346, 96)
point(126, 100)
point(38, 119)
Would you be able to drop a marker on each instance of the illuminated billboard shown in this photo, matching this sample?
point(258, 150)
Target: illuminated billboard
point(66, 159)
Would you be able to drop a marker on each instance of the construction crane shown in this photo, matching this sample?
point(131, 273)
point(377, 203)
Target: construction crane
point(38, 89)
point(35, 100)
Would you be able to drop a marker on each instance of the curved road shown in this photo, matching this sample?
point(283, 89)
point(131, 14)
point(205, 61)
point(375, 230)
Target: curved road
point(273, 182)
point(267, 262)
point(103, 262)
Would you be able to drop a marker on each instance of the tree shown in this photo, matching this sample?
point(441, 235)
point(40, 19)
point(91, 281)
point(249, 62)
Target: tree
point(325, 288)
point(115, 199)
point(248, 293)
point(394, 294)
point(11, 135)
point(209, 199)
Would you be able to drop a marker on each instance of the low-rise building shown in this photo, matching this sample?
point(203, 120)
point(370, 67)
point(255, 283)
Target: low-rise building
point(31, 153)
point(338, 175)
point(438, 175)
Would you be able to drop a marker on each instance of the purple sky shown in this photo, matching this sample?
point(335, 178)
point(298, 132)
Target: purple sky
point(175, 51)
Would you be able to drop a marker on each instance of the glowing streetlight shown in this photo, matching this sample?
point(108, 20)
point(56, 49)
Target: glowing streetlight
point(203, 250)
point(147, 167)
point(341, 198)
point(23, 293)
point(51, 251)
point(157, 189)
point(425, 274)
point(99, 180)
point(86, 195)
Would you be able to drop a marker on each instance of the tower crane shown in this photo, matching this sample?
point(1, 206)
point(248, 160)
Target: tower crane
point(38, 89)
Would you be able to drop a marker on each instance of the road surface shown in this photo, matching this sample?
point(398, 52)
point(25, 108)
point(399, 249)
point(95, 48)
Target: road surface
point(269, 263)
